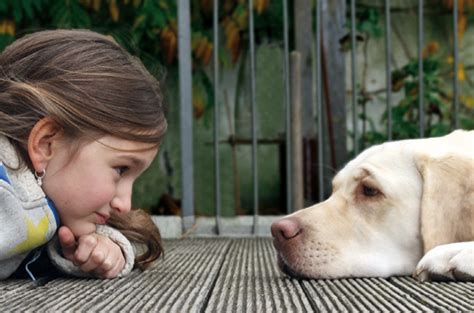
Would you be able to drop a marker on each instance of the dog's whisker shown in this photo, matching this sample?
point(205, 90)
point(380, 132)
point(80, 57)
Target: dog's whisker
point(370, 226)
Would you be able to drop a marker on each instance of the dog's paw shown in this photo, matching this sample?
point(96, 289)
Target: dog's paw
point(453, 261)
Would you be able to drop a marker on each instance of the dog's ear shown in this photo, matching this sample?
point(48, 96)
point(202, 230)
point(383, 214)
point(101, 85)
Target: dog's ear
point(447, 202)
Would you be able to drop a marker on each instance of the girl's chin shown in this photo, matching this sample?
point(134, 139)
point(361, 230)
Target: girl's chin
point(82, 229)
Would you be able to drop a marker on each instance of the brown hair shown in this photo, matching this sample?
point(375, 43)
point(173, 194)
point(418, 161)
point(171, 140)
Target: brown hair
point(91, 87)
point(138, 227)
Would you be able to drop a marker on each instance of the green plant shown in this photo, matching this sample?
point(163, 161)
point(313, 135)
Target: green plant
point(437, 107)
point(148, 28)
point(437, 96)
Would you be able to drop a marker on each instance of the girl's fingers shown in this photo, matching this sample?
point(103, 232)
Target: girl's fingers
point(113, 264)
point(99, 255)
point(67, 242)
point(114, 270)
point(86, 246)
point(97, 261)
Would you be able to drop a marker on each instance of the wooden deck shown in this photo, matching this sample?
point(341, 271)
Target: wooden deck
point(230, 275)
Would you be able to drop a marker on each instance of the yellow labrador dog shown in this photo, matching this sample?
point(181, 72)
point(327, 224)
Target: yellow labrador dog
point(398, 208)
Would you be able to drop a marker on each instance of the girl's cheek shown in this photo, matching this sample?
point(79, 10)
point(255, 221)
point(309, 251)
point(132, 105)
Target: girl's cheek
point(107, 193)
point(110, 190)
point(100, 192)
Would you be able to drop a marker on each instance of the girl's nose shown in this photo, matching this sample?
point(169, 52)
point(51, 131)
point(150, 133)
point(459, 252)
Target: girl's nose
point(122, 203)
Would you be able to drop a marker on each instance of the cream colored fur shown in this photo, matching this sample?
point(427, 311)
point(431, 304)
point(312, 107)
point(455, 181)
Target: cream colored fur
point(423, 209)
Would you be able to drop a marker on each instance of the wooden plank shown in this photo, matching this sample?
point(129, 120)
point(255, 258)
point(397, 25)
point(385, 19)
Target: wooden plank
point(251, 282)
point(179, 282)
point(361, 295)
point(231, 275)
point(436, 296)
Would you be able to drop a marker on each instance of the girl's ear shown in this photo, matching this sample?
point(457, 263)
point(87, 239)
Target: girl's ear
point(42, 141)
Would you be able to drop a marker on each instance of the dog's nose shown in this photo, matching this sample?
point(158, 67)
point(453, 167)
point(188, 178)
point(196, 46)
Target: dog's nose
point(286, 229)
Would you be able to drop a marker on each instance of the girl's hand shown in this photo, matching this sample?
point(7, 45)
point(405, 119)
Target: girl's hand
point(93, 253)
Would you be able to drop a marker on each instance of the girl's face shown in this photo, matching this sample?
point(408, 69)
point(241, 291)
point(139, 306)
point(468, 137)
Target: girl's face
point(95, 181)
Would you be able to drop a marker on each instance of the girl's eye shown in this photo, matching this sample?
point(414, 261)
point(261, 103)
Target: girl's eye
point(369, 191)
point(121, 169)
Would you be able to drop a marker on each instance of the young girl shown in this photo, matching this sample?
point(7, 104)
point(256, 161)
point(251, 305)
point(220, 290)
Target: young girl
point(80, 120)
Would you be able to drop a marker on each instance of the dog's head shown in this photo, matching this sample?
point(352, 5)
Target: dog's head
point(388, 206)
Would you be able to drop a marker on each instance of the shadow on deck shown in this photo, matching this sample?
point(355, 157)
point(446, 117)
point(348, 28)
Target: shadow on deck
point(231, 275)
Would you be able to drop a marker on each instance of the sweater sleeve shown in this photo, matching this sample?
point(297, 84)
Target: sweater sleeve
point(66, 266)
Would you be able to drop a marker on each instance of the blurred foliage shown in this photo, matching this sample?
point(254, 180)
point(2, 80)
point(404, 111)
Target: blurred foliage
point(438, 73)
point(368, 22)
point(148, 29)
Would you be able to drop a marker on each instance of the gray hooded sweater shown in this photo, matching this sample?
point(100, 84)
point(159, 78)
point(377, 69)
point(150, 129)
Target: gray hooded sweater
point(28, 220)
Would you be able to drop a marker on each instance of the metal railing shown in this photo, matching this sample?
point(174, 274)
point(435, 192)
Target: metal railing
point(185, 84)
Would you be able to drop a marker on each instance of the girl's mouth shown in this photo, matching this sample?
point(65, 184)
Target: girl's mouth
point(101, 218)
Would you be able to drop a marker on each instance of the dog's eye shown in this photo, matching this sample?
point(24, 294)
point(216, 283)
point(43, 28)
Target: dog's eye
point(369, 191)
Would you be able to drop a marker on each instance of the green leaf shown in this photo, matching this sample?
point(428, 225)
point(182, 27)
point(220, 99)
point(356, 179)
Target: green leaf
point(80, 17)
point(163, 5)
point(59, 14)
point(140, 21)
point(38, 5)
point(5, 40)
point(224, 57)
point(3, 7)
point(159, 19)
point(17, 12)
point(439, 129)
point(466, 122)
point(150, 33)
point(28, 7)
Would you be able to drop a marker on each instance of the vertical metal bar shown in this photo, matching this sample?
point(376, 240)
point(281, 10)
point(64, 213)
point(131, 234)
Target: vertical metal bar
point(353, 76)
point(185, 105)
point(420, 70)
point(296, 131)
point(455, 65)
point(319, 101)
point(388, 69)
point(254, 117)
point(314, 84)
point(217, 188)
point(289, 174)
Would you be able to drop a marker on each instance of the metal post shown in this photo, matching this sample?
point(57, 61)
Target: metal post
point(217, 173)
point(353, 76)
point(455, 65)
point(296, 129)
point(388, 70)
point(254, 116)
point(185, 103)
point(289, 173)
point(319, 101)
point(420, 70)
